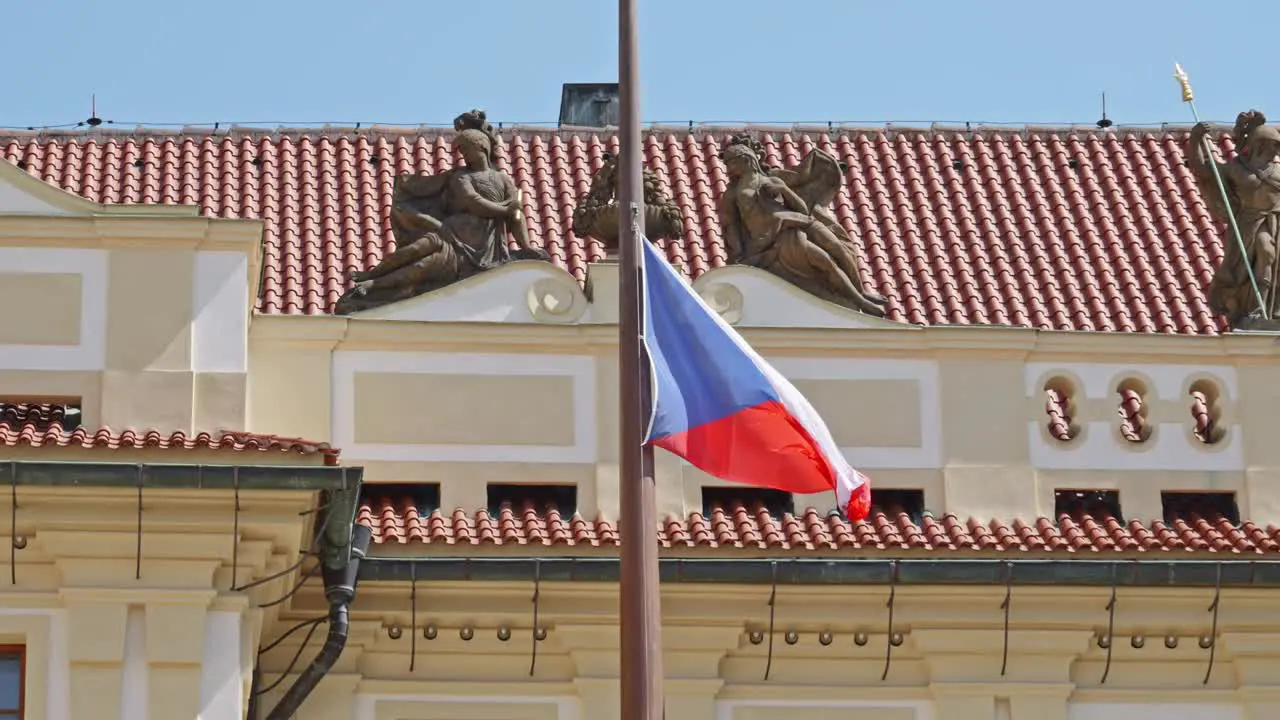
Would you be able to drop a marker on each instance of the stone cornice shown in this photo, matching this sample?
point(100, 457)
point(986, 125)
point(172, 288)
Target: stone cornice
point(340, 333)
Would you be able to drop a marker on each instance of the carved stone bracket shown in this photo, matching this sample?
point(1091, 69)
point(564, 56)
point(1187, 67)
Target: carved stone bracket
point(555, 300)
point(726, 300)
point(1257, 324)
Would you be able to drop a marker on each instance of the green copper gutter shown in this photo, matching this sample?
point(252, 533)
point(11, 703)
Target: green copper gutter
point(340, 486)
point(1154, 572)
point(179, 476)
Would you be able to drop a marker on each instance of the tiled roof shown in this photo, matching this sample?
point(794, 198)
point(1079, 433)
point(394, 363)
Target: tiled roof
point(39, 415)
point(38, 425)
point(1066, 229)
point(396, 520)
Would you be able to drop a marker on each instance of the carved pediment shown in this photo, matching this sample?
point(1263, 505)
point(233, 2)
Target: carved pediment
point(536, 292)
point(21, 193)
point(523, 291)
point(749, 297)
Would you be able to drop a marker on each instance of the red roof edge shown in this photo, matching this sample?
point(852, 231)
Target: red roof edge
point(285, 442)
point(55, 434)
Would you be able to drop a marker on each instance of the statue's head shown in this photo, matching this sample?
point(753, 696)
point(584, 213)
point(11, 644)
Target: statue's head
point(472, 144)
point(1263, 143)
point(477, 120)
point(608, 171)
point(471, 120)
point(1246, 122)
point(740, 159)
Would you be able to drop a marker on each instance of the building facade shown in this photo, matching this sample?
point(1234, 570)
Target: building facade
point(1074, 471)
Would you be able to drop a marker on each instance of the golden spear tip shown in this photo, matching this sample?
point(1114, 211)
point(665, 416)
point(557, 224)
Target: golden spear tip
point(1181, 76)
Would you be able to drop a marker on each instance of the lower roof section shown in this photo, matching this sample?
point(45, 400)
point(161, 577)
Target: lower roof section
point(736, 529)
point(50, 425)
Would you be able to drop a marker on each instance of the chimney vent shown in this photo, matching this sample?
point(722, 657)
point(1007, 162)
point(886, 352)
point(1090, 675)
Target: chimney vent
point(589, 105)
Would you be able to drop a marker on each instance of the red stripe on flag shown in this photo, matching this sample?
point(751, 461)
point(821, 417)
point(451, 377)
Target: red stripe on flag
point(762, 446)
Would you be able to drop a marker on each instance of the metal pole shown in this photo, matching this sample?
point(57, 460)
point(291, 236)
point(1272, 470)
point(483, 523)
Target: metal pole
point(639, 611)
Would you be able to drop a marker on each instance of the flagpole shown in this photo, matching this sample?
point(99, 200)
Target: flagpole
point(639, 603)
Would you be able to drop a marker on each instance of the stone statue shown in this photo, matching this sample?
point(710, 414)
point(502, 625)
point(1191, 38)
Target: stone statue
point(778, 220)
point(448, 226)
point(1252, 181)
point(597, 213)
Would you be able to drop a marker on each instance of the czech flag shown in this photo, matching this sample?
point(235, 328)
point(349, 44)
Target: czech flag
point(719, 405)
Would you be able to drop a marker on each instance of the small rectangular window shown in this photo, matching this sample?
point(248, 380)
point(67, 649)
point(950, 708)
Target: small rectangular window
point(40, 412)
point(424, 496)
point(1210, 506)
point(1079, 504)
point(12, 680)
point(562, 498)
point(777, 502)
point(893, 502)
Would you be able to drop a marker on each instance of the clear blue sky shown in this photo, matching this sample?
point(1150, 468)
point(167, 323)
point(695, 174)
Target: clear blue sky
point(424, 61)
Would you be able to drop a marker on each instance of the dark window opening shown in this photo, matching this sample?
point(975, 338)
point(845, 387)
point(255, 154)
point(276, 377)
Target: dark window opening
point(776, 502)
point(13, 672)
point(1081, 504)
point(893, 502)
point(1206, 505)
point(562, 498)
point(43, 413)
point(424, 497)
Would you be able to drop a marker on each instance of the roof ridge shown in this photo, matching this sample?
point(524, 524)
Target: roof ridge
point(692, 129)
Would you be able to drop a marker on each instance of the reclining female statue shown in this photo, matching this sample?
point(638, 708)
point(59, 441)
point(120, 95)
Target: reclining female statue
point(778, 221)
point(448, 227)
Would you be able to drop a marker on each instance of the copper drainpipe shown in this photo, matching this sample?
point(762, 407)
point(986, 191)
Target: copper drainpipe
point(339, 590)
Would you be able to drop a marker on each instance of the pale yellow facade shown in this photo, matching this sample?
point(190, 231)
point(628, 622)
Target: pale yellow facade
point(125, 599)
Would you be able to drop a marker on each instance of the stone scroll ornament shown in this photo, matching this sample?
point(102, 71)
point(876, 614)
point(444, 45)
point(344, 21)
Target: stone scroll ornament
point(779, 220)
point(596, 215)
point(447, 227)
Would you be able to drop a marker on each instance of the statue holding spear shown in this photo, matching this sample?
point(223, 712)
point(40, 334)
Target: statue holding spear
point(1243, 194)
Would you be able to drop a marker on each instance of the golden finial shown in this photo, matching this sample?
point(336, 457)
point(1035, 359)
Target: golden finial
point(1181, 76)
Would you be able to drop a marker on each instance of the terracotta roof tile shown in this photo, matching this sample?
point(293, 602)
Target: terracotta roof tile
point(24, 424)
point(1056, 229)
point(1057, 407)
point(400, 521)
point(1133, 424)
point(1205, 427)
point(39, 415)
